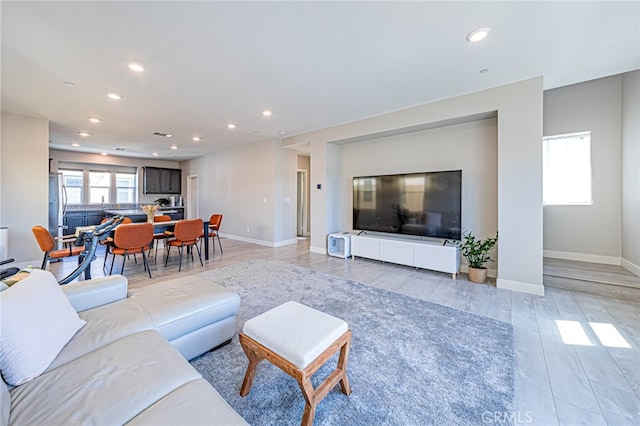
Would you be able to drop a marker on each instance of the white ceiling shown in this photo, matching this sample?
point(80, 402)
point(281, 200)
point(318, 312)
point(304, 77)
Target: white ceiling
point(314, 64)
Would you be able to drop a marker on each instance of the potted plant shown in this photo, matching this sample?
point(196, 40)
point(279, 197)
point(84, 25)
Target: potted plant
point(163, 202)
point(476, 251)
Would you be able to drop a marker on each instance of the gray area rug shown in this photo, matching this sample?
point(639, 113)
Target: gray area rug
point(411, 362)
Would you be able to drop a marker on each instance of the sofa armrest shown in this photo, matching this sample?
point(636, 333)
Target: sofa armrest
point(92, 293)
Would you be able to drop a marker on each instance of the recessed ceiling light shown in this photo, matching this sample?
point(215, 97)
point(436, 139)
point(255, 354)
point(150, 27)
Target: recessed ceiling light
point(266, 113)
point(135, 67)
point(155, 154)
point(196, 139)
point(174, 146)
point(75, 144)
point(478, 34)
point(114, 96)
point(70, 84)
point(94, 120)
point(169, 135)
point(231, 126)
point(282, 132)
point(103, 153)
point(84, 134)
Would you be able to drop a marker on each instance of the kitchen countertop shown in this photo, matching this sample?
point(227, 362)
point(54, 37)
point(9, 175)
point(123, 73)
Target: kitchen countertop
point(125, 212)
point(135, 212)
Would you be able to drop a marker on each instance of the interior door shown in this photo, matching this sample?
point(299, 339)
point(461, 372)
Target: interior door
point(301, 207)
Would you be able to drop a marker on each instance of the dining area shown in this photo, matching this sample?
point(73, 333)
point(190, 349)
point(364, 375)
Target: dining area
point(176, 241)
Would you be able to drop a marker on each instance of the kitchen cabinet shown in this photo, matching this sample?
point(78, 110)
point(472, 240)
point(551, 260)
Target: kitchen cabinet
point(159, 180)
point(176, 213)
point(73, 219)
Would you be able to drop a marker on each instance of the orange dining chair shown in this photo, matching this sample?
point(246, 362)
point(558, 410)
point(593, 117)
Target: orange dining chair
point(159, 235)
point(47, 245)
point(186, 234)
point(132, 238)
point(214, 228)
point(107, 242)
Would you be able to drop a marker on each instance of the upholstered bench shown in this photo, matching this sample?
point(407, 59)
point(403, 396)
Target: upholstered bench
point(299, 340)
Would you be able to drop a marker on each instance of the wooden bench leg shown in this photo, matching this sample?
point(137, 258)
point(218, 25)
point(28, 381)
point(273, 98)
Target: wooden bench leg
point(254, 360)
point(310, 398)
point(342, 366)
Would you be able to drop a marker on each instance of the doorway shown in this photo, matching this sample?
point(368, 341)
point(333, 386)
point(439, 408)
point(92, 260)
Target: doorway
point(301, 207)
point(192, 197)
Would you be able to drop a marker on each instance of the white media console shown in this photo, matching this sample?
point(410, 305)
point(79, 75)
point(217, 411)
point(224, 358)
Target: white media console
point(417, 253)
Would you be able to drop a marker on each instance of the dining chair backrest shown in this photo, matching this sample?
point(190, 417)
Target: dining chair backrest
point(44, 238)
point(162, 218)
point(188, 230)
point(215, 221)
point(133, 235)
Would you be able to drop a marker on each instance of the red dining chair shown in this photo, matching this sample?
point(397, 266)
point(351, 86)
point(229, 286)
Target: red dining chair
point(214, 228)
point(159, 235)
point(107, 242)
point(186, 234)
point(47, 245)
point(132, 238)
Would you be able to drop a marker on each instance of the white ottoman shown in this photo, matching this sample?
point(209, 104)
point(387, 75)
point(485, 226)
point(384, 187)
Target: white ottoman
point(299, 340)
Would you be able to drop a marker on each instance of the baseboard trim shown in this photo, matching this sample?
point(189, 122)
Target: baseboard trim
point(319, 250)
point(285, 242)
point(537, 289)
point(582, 257)
point(256, 241)
point(631, 267)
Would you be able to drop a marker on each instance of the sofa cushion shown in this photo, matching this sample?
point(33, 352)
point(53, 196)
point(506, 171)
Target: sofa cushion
point(195, 403)
point(96, 292)
point(177, 308)
point(37, 321)
point(110, 385)
point(5, 403)
point(105, 324)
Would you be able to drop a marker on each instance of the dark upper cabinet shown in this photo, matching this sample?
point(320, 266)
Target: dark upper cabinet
point(162, 181)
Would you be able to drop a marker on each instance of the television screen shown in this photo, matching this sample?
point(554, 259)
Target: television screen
point(425, 204)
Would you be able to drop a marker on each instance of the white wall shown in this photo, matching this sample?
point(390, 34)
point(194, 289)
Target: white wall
point(24, 183)
point(470, 147)
point(285, 195)
point(78, 157)
point(593, 232)
point(519, 112)
point(631, 171)
point(248, 185)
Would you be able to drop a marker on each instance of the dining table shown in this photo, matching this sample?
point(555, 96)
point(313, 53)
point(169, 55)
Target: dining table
point(167, 224)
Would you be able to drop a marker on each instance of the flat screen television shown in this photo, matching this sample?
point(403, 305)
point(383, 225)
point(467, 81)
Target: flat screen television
point(425, 204)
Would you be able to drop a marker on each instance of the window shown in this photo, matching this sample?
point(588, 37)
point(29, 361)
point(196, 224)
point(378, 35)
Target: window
point(99, 187)
point(88, 183)
point(72, 180)
point(566, 169)
point(125, 187)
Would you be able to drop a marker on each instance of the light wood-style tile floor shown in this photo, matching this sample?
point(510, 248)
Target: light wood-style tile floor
point(577, 354)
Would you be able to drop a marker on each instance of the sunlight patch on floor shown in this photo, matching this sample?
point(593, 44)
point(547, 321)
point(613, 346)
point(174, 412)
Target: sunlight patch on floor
point(609, 335)
point(572, 333)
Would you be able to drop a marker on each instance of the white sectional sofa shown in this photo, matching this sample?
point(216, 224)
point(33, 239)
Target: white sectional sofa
point(128, 363)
